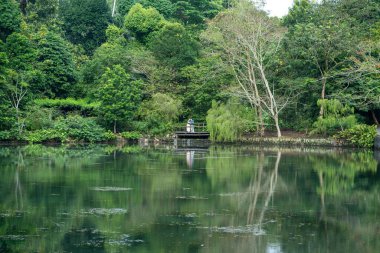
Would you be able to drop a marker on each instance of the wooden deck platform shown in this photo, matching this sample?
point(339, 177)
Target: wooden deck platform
point(195, 135)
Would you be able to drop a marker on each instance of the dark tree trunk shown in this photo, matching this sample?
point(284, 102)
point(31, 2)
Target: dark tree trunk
point(374, 117)
point(23, 5)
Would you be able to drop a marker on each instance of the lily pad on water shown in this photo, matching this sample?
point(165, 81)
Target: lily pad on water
point(110, 189)
point(249, 229)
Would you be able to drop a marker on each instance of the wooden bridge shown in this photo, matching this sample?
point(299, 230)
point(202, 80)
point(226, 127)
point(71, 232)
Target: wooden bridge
point(200, 132)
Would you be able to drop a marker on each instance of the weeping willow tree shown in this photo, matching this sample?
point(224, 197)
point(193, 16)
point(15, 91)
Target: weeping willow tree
point(336, 117)
point(227, 122)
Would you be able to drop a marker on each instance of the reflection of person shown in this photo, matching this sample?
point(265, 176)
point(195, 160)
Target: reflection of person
point(190, 158)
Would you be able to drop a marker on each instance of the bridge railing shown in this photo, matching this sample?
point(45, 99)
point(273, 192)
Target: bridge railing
point(198, 127)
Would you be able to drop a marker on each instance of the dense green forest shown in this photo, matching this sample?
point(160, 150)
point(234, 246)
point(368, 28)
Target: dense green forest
point(87, 69)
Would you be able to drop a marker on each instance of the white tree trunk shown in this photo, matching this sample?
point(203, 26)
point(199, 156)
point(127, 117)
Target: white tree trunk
point(113, 8)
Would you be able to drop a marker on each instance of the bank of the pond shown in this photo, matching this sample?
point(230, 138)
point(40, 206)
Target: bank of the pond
point(262, 141)
point(288, 141)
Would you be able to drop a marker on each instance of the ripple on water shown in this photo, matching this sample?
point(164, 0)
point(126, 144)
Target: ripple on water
point(230, 194)
point(14, 237)
point(124, 240)
point(110, 189)
point(9, 214)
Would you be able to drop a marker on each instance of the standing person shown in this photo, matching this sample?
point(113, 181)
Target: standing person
point(191, 125)
point(188, 126)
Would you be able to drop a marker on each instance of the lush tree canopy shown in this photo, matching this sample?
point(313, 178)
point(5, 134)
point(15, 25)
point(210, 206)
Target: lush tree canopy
point(85, 22)
point(156, 63)
point(10, 18)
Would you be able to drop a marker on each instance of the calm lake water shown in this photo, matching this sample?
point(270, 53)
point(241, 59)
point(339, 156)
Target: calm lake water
point(216, 199)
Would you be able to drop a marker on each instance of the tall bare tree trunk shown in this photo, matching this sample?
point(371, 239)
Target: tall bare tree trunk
point(277, 126)
point(114, 127)
point(113, 8)
point(261, 123)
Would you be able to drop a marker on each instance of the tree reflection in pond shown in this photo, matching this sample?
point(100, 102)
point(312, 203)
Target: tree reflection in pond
point(231, 199)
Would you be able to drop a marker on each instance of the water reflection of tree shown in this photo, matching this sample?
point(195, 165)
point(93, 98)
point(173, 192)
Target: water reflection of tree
point(18, 187)
point(337, 173)
point(261, 184)
point(253, 198)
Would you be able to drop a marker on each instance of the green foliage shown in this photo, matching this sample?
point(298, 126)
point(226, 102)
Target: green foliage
point(165, 7)
point(42, 12)
point(55, 61)
point(21, 52)
point(131, 135)
point(207, 79)
point(301, 12)
point(360, 135)
point(196, 12)
point(67, 104)
point(104, 57)
point(173, 46)
point(227, 122)
point(108, 136)
point(114, 34)
point(8, 135)
point(59, 56)
point(85, 22)
point(160, 113)
point(39, 118)
point(142, 21)
point(119, 96)
point(78, 128)
point(45, 135)
point(10, 18)
point(336, 117)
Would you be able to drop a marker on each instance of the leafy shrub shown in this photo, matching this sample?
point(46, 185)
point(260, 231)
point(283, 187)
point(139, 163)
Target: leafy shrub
point(336, 117)
point(80, 129)
point(108, 136)
point(45, 135)
point(8, 135)
point(227, 122)
point(131, 135)
point(360, 135)
point(68, 104)
point(39, 118)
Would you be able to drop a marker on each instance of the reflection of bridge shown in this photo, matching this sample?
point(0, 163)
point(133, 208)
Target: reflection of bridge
point(200, 132)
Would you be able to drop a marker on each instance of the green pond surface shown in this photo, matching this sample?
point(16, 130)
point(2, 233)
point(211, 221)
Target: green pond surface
point(197, 199)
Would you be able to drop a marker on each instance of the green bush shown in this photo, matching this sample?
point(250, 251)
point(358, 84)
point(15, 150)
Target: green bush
point(39, 118)
point(360, 135)
point(45, 135)
point(131, 135)
point(109, 136)
point(8, 135)
point(78, 128)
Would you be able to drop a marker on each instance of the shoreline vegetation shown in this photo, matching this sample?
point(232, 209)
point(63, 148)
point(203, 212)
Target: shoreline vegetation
point(268, 141)
point(95, 71)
